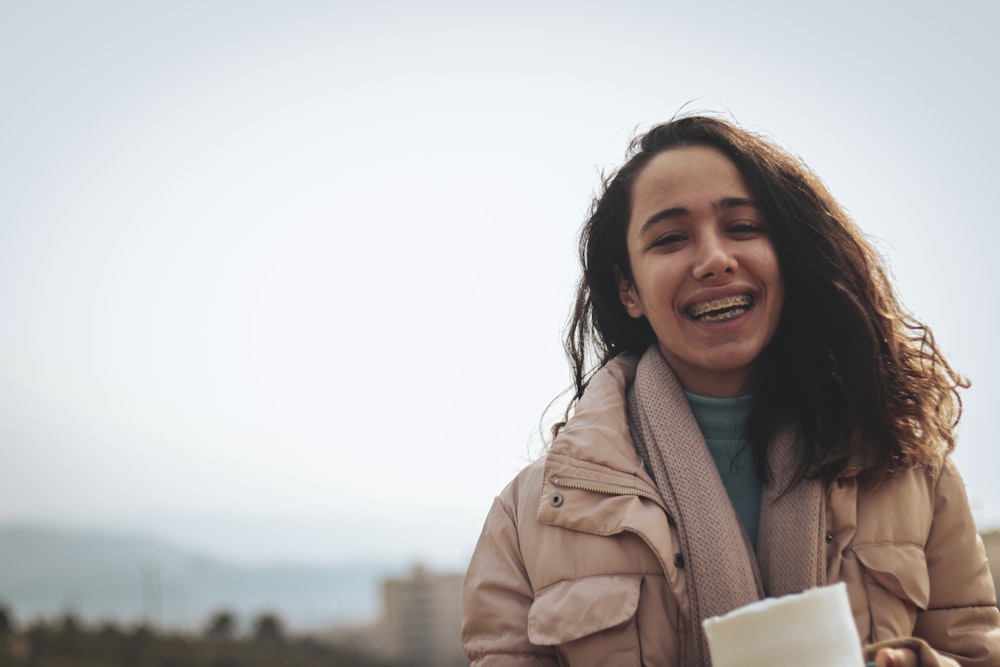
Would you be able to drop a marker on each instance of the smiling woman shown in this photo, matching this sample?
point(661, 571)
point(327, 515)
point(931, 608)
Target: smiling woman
point(763, 418)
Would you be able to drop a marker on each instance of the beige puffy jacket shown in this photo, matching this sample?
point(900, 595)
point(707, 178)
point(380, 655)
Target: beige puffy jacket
point(578, 563)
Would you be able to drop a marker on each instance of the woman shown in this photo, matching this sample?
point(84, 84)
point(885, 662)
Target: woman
point(764, 418)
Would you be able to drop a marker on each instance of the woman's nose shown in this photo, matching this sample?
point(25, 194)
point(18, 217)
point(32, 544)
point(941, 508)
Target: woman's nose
point(714, 259)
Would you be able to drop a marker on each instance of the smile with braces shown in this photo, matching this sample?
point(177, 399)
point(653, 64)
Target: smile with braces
point(721, 310)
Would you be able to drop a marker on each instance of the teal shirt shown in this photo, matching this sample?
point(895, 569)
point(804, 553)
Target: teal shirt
point(722, 421)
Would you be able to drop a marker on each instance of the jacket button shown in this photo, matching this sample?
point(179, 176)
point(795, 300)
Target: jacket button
point(829, 538)
point(679, 560)
point(557, 499)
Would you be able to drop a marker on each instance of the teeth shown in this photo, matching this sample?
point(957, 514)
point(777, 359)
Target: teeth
point(739, 304)
point(723, 316)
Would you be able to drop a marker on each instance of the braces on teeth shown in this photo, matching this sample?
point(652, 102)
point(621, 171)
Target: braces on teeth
point(742, 301)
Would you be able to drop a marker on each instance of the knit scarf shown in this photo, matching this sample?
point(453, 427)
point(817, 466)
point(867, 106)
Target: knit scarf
point(723, 572)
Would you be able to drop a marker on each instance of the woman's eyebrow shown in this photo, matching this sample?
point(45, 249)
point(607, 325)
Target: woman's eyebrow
point(681, 211)
point(665, 214)
point(733, 202)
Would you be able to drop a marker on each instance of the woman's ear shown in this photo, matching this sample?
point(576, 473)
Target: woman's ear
point(628, 295)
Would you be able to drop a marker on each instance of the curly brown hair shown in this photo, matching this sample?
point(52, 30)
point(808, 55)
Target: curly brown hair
point(848, 367)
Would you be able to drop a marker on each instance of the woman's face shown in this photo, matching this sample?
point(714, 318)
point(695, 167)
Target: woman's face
point(705, 271)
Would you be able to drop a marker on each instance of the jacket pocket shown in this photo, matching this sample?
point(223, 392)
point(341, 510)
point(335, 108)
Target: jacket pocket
point(591, 620)
point(897, 587)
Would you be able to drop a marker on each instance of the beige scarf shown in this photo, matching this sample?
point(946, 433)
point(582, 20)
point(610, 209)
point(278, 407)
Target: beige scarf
point(723, 572)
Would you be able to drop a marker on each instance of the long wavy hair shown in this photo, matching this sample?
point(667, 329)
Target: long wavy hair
point(848, 366)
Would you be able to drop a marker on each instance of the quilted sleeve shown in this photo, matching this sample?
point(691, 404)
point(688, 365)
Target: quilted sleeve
point(496, 598)
point(961, 623)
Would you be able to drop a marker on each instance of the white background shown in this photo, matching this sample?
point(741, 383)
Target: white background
point(287, 281)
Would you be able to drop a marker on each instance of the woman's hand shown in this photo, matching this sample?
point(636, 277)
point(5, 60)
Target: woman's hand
point(895, 657)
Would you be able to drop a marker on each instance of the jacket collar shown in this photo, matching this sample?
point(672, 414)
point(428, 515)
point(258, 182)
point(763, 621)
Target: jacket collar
point(596, 443)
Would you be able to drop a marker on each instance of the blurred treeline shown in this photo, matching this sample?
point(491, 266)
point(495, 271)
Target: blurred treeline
point(67, 642)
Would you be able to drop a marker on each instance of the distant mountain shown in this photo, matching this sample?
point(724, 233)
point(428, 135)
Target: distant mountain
point(46, 572)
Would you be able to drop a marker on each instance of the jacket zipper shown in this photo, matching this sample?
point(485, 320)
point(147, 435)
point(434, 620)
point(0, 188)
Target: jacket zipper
point(585, 485)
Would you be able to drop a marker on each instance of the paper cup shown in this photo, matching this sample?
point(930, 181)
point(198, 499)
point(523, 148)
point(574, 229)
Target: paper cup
point(814, 628)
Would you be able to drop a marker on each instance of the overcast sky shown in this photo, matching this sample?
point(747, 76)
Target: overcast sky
point(267, 268)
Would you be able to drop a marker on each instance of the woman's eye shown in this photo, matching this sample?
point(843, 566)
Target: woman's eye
point(746, 227)
point(668, 239)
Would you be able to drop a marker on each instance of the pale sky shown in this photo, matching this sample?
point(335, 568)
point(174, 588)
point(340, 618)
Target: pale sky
point(266, 268)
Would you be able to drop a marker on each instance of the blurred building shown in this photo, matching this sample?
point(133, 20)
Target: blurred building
point(422, 619)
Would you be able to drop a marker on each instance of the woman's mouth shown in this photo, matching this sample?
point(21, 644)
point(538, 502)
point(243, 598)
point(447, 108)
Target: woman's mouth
point(720, 310)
